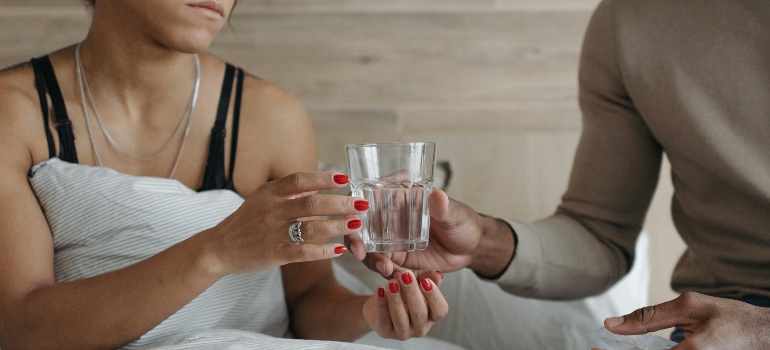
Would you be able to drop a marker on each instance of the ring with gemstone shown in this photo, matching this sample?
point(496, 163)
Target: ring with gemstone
point(295, 234)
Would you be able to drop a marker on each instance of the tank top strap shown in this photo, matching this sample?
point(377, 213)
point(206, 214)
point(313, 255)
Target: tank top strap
point(214, 175)
point(41, 93)
point(67, 150)
point(236, 121)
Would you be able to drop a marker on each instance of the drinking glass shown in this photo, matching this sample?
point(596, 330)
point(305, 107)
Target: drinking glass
point(396, 179)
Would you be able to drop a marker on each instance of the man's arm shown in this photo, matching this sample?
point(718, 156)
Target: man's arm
point(588, 244)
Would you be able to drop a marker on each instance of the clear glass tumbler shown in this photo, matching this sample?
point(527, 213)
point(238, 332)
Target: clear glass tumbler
point(396, 178)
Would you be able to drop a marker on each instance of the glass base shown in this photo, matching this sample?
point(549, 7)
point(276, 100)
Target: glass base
point(388, 247)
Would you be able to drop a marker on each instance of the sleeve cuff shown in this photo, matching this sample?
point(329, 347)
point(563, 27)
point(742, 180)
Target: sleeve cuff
point(521, 273)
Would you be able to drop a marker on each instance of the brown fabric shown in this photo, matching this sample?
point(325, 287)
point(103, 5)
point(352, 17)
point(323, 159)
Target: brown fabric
point(682, 77)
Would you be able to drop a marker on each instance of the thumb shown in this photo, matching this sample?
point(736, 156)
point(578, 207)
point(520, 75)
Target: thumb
point(438, 204)
point(647, 319)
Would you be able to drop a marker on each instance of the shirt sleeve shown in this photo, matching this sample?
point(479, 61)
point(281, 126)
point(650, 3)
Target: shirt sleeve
point(588, 244)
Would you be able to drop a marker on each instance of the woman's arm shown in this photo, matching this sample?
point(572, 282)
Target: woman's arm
point(101, 312)
point(111, 309)
point(316, 302)
point(319, 307)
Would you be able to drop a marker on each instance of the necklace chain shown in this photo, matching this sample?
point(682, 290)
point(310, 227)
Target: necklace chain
point(187, 116)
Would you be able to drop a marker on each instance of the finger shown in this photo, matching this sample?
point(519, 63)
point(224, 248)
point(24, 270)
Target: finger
point(325, 229)
point(384, 322)
point(397, 308)
point(437, 305)
point(434, 275)
point(379, 263)
point(672, 313)
point(415, 302)
point(303, 194)
point(292, 252)
point(356, 246)
point(302, 182)
point(325, 205)
point(446, 212)
point(438, 204)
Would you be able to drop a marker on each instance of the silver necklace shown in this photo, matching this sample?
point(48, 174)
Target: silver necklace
point(187, 116)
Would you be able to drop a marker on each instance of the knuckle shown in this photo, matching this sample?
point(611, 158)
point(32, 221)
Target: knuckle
point(420, 318)
point(385, 334)
point(294, 180)
point(441, 313)
point(309, 203)
point(688, 299)
point(303, 252)
point(341, 203)
point(422, 331)
point(644, 315)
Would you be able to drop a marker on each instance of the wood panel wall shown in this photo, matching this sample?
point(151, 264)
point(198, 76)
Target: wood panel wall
point(492, 81)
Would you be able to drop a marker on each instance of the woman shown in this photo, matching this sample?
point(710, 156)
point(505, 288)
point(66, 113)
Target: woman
point(98, 250)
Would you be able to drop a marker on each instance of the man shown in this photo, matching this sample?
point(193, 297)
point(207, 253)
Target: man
point(682, 77)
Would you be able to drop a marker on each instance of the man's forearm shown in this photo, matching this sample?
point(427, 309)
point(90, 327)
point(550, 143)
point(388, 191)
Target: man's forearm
point(495, 250)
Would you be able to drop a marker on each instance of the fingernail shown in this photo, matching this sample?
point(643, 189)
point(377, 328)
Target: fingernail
point(340, 249)
point(614, 321)
point(426, 285)
point(341, 179)
point(393, 286)
point(407, 278)
point(379, 266)
point(440, 274)
point(354, 224)
point(361, 205)
point(380, 292)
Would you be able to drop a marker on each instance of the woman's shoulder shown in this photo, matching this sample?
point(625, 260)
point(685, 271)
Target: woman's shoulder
point(20, 113)
point(264, 98)
point(280, 128)
point(17, 86)
point(271, 107)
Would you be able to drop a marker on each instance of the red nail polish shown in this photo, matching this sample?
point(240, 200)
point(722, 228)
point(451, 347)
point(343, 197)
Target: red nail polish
point(440, 274)
point(380, 292)
point(426, 285)
point(361, 205)
point(354, 224)
point(340, 249)
point(407, 278)
point(393, 286)
point(341, 179)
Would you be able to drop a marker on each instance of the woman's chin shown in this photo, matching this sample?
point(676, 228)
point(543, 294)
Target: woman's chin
point(190, 43)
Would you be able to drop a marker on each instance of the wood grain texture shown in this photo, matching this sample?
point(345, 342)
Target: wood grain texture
point(32, 3)
point(404, 58)
point(24, 37)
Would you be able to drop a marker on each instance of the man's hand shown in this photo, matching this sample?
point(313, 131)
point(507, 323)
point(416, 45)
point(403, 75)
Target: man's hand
point(708, 322)
point(459, 237)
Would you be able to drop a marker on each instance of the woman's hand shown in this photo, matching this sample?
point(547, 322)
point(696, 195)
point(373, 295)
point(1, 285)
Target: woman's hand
point(407, 306)
point(256, 236)
point(708, 322)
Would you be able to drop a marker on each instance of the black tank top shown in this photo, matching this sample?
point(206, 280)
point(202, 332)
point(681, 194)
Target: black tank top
point(214, 175)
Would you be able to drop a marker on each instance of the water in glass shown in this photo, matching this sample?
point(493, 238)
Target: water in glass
point(398, 218)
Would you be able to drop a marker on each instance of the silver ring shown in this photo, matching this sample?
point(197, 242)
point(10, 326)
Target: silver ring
point(295, 234)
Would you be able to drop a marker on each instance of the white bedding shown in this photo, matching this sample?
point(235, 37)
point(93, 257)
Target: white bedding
point(227, 339)
point(483, 316)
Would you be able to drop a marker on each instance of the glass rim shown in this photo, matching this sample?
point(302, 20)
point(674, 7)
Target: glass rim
point(377, 144)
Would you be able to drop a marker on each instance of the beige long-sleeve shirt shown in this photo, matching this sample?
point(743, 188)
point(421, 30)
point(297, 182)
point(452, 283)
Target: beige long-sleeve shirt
point(688, 78)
